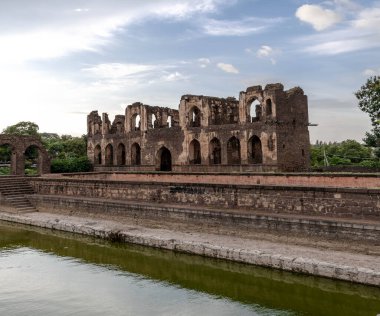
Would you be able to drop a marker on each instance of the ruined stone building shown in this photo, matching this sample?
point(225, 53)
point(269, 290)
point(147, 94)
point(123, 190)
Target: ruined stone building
point(265, 130)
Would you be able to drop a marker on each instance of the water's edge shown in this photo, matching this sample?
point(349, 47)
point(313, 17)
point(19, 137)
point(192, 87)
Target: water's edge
point(256, 257)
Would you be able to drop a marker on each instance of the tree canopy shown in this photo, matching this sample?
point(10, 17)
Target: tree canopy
point(22, 128)
point(369, 102)
point(348, 152)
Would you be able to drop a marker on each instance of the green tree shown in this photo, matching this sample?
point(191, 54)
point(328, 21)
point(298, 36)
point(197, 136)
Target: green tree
point(369, 102)
point(348, 152)
point(23, 128)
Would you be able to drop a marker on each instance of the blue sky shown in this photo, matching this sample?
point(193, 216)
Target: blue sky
point(59, 60)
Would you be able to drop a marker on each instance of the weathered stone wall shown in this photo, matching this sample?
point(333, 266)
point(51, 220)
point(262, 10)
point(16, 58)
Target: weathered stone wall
point(285, 179)
point(235, 222)
point(301, 201)
point(266, 128)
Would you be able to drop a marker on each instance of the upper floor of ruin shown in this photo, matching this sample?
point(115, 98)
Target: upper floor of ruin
point(271, 105)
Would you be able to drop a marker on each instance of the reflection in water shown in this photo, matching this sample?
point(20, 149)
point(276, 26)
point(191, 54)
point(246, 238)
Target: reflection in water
point(45, 272)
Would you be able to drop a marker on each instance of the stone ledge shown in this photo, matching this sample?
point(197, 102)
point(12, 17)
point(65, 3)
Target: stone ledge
point(151, 238)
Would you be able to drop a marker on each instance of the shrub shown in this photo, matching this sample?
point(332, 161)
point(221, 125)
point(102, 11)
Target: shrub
point(76, 164)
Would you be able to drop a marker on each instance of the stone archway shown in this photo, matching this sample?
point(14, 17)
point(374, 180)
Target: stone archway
point(19, 145)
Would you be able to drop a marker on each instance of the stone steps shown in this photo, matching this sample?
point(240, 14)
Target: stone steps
point(342, 228)
point(15, 191)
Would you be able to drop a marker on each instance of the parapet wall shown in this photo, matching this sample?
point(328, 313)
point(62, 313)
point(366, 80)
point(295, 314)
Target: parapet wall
point(354, 203)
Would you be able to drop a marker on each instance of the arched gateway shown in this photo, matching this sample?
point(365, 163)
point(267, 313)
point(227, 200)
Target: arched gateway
point(18, 146)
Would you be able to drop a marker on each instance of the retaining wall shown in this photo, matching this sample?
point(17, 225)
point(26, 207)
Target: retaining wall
point(286, 179)
point(357, 203)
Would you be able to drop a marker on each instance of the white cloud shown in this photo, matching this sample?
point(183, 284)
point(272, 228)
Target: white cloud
point(62, 31)
point(174, 76)
point(317, 16)
point(238, 28)
point(228, 68)
point(81, 10)
point(204, 62)
point(264, 51)
point(371, 72)
point(360, 33)
point(117, 70)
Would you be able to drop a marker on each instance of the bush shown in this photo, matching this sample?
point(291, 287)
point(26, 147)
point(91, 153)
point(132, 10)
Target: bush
point(76, 164)
point(5, 171)
point(370, 163)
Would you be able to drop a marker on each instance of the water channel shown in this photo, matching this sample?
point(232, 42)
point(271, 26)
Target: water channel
point(45, 272)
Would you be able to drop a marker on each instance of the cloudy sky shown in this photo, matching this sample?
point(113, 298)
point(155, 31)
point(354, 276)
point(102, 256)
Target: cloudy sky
point(59, 60)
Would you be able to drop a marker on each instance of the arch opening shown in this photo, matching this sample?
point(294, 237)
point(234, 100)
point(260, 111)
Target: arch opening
point(195, 117)
point(136, 122)
point(121, 154)
point(215, 152)
point(254, 110)
point(255, 153)
point(109, 155)
point(233, 151)
point(195, 152)
point(268, 107)
point(164, 159)
point(135, 155)
point(32, 161)
point(169, 121)
point(154, 121)
point(97, 155)
point(5, 159)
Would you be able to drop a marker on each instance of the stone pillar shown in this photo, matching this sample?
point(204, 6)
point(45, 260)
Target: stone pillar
point(20, 163)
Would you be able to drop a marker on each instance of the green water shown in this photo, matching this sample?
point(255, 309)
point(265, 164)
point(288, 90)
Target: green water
point(53, 273)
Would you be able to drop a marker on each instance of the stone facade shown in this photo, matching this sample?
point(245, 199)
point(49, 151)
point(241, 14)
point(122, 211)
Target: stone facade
point(266, 129)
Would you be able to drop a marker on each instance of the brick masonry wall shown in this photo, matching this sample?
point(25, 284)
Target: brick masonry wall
point(291, 179)
point(357, 203)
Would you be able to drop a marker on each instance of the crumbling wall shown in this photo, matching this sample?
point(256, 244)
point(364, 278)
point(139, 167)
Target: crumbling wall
point(266, 128)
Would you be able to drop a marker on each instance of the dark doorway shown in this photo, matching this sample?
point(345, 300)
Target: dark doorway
point(255, 153)
point(195, 153)
point(121, 155)
point(215, 152)
point(98, 155)
point(135, 155)
point(165, 159)
point(109, 155)
point(233, 151)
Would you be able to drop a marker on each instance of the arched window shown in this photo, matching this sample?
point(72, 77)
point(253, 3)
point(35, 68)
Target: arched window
point(195, 117)
point(109, 155)
point(98, 155)
point(255, 153)
point(194, 152)
point(154, 121)
point(136, 122)
point(121, 155)
point(169, 121)
point(254, 110)
point(233, 151)
point(135, 155)
point(215, 152)
point(268, 107)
